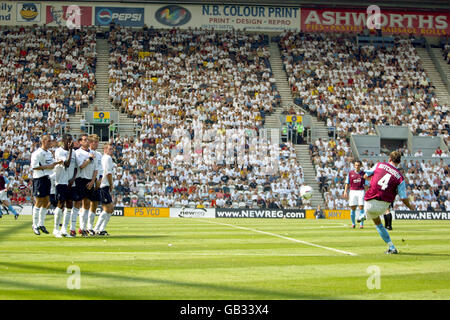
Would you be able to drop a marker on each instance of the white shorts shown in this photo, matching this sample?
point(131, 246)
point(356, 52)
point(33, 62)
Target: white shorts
point(356, 198)
point(3, 195)
point(375, 208)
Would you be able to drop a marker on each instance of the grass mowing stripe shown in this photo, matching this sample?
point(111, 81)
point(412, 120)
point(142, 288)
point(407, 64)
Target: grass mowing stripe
point(286, 238)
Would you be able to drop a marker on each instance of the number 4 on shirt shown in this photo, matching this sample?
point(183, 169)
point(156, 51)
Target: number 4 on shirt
point(383, 182)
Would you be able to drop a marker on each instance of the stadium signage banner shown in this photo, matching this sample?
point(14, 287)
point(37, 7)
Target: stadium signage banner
point(125, 16)
point(422, 215)
point(29, 12)
point(118, 211)
point(101, 117)
point(173, 15)
point(294, 118)
point(336, 214)
point(28, 210)
point(391, 21)
point(146, 212)
point(63, 15)
point(310, 214)
point(260, 213)
point(224, 17)
point(250, 17)
point(192, 213)
point(7, 12)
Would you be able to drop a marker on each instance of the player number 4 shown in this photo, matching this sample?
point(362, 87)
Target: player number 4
point(383, 182)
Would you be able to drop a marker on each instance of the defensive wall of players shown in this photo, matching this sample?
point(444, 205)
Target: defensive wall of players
point(149, 212)
point(224, 17)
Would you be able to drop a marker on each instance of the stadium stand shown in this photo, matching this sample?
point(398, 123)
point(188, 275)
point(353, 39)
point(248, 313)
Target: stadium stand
point(444, 44)
point(169, 80)
point(46, 73)
point(357, 87)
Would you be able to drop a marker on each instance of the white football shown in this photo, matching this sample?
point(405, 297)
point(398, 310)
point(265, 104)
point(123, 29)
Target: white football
point(306, 192)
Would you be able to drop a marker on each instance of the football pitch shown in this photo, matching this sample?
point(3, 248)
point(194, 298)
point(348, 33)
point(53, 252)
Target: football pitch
point(223, 259)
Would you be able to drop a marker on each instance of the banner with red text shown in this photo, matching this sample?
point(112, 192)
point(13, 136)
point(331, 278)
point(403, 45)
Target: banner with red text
point(391, 21)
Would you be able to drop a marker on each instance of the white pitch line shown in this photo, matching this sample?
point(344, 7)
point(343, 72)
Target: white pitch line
point(286, 238)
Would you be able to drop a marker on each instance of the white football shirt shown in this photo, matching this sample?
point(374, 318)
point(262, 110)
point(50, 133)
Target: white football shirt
point(108, 168)
point(63, 174)
point(87, 172)
point(40, 157)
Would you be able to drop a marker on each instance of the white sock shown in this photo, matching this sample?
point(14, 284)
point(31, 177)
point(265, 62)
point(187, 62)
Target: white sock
point(73, 219)
point(36, 216)
point(57, 218)
point(81, 223)
point(66, 220)
point(91, 219)
point(105, 222)
point(100, 220)
point(83, 218)
point(42, 214)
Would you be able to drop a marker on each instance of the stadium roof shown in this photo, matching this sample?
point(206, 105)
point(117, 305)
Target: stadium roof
point(404, 4)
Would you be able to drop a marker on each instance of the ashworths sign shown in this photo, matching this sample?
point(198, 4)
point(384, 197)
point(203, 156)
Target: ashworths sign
point(192, 213)
point(261, 213)
point(422, 215)
point(431, 23)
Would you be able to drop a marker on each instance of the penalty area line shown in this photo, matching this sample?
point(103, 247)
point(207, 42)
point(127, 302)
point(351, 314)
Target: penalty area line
point(283, 237)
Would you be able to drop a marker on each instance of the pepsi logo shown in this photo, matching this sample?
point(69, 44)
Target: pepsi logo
point(104, 16)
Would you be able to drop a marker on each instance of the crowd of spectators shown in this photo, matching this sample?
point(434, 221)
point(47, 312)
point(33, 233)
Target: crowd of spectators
point(427, 185)
point(45, 74)
point(174, 83)
point(152, 177)
point(183, 81)
point(355, 87)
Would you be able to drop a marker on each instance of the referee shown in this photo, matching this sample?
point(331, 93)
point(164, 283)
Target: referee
point(42, 164)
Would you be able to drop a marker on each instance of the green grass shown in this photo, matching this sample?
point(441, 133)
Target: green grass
point(212, 259)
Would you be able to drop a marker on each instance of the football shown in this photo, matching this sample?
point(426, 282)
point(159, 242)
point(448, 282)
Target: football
point(306, 192)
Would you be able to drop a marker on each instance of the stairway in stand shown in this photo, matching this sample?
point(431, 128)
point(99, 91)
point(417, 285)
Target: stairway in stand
point(309, 175)
point(101, 101)
point(441, 91)
point(273, 121)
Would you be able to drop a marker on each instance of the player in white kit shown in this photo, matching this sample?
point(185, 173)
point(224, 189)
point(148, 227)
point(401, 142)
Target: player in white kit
point(106, 188)
point(94, 197)
point(84, 185)
point(64, 178)
point(42, 164)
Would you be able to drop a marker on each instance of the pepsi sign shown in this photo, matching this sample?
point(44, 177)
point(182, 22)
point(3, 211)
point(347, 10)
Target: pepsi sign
point(130, 17)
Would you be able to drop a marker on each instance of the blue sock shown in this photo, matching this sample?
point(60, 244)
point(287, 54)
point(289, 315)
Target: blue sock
point(1, 213)
point(385, 235)
point(361, 214)
point(353, 216)
point(10, 208)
